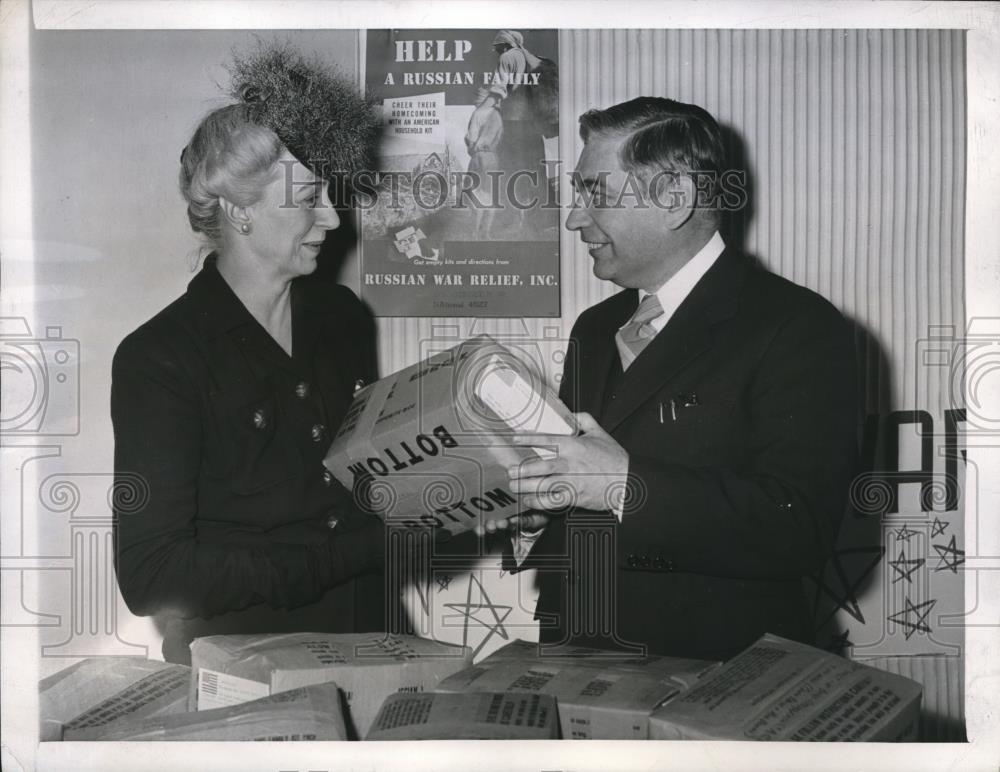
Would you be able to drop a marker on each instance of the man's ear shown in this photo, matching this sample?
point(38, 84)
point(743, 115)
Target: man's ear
point(676, 195)
point(236, 216)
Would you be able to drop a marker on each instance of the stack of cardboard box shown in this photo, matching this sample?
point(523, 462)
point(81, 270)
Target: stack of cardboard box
point(368, 667)
point(307, 713)
point(474, 716)
point(782, 690)
point(601, 695)
point(103, 691)
point(296, 687)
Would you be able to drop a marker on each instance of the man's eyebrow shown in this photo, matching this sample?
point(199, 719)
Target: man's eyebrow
point(588, 183)
point(595, 185)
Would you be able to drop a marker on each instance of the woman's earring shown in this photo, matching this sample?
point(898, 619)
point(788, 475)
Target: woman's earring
point(245, 228)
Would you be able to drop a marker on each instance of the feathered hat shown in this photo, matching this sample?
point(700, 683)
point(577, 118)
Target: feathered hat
point(317, 113)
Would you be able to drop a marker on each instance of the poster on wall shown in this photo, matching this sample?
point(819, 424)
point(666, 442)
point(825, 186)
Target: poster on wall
point(464, 218)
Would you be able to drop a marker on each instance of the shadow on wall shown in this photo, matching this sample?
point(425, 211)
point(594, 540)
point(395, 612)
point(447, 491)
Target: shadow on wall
point(735, 222)
point(855, 565)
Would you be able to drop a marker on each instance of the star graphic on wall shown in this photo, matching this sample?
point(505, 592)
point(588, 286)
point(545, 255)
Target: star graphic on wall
point(840, 642)
point(469, 610)
point(443, 581)
point(904, 568)
point(904, 533)
point(951, 556)
point(849, 569)
point(920, 611)
point(938, 528)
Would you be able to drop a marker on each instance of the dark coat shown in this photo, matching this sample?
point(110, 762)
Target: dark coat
point(740, 424)
point(221, 436)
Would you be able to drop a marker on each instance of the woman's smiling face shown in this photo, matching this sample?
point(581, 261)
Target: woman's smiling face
point(290, 221)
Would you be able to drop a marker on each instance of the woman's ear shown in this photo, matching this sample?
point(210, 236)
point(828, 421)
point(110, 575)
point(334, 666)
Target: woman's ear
point(237, 216)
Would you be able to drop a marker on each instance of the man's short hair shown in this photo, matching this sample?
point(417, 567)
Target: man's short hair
point(662, 135)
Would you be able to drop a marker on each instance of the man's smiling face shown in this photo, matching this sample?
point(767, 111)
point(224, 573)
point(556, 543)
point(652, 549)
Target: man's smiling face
point(627, 233)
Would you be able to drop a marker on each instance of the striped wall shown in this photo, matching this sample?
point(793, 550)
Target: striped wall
point(854, 142)
point(943, 716)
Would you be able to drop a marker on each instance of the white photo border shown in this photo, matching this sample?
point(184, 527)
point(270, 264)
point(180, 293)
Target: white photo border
point(21, 749)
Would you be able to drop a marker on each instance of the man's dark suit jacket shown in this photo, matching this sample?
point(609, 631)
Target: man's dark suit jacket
point(740, 423)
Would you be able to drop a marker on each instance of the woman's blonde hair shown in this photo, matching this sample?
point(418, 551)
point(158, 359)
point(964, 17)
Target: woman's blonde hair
point(227, 156)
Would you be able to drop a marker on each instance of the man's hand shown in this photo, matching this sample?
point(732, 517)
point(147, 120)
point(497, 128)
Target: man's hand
point(589, 471)
point(529, 521)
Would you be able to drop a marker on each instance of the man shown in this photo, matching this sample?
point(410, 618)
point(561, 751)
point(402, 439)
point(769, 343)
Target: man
point(723, 404)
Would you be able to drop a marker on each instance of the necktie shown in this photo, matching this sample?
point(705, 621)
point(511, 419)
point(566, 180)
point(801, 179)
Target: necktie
point(636, 335)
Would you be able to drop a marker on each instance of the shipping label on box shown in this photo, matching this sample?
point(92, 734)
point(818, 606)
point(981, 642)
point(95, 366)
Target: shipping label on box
point(426, 447)
point(103, 690)
point(472, 716)
point(783, 690)
point(308, 713)
point(601, 695)
point(218, 690)
point(228, 669)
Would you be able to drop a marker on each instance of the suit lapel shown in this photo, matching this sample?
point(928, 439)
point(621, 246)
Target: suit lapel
point(685, 338)
point(596, 363)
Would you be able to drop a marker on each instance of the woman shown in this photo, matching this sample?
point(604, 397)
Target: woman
point(224, 403)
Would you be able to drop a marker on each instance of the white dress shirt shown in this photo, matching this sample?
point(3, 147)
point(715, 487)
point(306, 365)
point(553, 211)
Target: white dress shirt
point(676, 289)
point(673, 292)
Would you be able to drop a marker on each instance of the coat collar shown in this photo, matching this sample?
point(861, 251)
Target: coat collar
point(686, 336)
point(220, 312)
point(218, 309)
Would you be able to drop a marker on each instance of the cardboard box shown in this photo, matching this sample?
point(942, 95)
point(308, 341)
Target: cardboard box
point(308, 713)
point(601, 695)
point(104, 690)
point(425, 447)
point(782, 690)
point(230, 669)
point(475, 716)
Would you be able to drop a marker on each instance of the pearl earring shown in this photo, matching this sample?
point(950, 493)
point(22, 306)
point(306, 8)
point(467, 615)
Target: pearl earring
point(245, 228)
